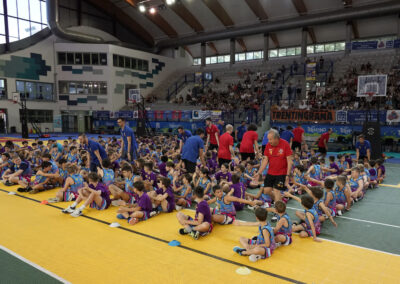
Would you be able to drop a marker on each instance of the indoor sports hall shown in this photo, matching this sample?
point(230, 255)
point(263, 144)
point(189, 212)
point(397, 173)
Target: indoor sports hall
point(148, 141)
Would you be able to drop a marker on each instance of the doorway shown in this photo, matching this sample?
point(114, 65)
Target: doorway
point(69, 123)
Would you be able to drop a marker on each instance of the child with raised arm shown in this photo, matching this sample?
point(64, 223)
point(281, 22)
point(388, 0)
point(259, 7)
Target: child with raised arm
point(224, 213)
point(96, 195)
point(202, 223)
point(261, 246)
point(343, 195)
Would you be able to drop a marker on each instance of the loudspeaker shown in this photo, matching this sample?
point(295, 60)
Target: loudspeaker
point(372, 133)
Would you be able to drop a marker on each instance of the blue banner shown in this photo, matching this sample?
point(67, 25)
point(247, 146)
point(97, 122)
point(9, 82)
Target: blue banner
point(125, 114)
point(341, 116)
point(102, 114)
point(396, 43)
point(364, 45)
point(162, 126)
point(361, 115)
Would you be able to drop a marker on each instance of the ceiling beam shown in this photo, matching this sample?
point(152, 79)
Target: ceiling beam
point(260, 13)
point(187, 16)
point(302, 10)
point(354, 26)
point(160, 22)
point(224, 17)
point(211, 45)
point(110, 9)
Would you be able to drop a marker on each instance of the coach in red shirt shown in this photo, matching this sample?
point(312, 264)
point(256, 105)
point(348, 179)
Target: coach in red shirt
point(278, 157)
point(298, 138)
point(323, 142)
point(212, 135)
point(249, 145)
point(225, 150)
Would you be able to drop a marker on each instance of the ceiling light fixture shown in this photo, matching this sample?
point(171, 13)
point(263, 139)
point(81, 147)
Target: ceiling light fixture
point(142, 8)
point(170, 2)
point(152, 10)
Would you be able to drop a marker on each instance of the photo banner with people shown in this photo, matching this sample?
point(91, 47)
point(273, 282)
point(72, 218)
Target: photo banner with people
point(311, 71)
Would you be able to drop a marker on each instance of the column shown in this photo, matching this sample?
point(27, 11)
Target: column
point(232, 51)
point(266, 47)
point(203, 54)
point(304, 36)
point(349, 35)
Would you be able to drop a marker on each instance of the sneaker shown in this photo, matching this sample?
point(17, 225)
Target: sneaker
point(178, 208)
point(228, 220)
point(195, 234)
point(53, 200)
point(68, 210)
point(21, 189)
point(182, 231)
point(7, 183)
point(133, 221)
point(32, 191)
point(339, 213)
point(274, 219)
point(265, 205)
point(71, 197)
point(238, 250)
point(121, 216)
point(255, 257)
point(154, 213)
point(115, 202)
point(252, 207)
point(76, 213)
point(277, 245)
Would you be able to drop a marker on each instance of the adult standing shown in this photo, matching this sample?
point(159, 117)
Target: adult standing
point(240, 131)
point(363, 148)
point(212, 135)
point(129, 145)
point(183, 135)
point(249, 146)
point(264, 141)
point(323, 142)
point(192, 150)
point(298, 137)
point(278, 157)
point(288, 135)
point(96, 152)
point(225, 150)
point(220, 126)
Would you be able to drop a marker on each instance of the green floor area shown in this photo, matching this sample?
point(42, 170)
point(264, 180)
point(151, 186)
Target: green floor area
point(15, 271)
point(380, 205)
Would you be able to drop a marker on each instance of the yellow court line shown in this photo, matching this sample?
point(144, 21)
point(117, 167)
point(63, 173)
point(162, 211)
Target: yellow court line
point(82, 250)
point(390, 185)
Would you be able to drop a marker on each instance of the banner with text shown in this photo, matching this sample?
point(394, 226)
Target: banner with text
point(303, 115)
point(311, 71)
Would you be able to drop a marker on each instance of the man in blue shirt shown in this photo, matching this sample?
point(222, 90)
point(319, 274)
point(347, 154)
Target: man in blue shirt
point(183, 135)
point(240, 131)
point(264, 141)
point(363, 148)
point(129, 145)
point(96, 152)
point(288, 135)
point(221, 127)
point(192, 150)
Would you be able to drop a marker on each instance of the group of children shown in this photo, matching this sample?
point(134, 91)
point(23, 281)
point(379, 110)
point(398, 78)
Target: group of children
point(157, 182)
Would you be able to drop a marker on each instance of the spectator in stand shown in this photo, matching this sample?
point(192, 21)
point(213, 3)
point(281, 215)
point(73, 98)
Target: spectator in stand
point(212, 135)
point(298, 137)
point(321, 63)
point(240, 131)
point(290, 91)
point(363, 148)
point(225, 150)
point(288, 135)
point(249, 146)
point(323, 142)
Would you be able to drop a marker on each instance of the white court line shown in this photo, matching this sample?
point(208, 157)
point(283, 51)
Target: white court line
point(38, 267)
point(359, 220)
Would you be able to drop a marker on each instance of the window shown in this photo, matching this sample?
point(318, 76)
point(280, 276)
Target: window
point(86, 59)
point(3, 89)
point(62, 58)
point(24, 17)
point(282, 52)
point(130, 63)
point(103, 58)
point(310, 49)
point(134, 63)
point(227, 58)
point(145, 65)
point(298, 50)
point(339, 46)
point(95, 59)
point(319, 48)
point(38, 115)
point(242, 56)
point(70, 58)
point(221, 59)
point(249, 56)
point(291, 51)
point(258, 55)
point(36, 90)
point(121, 60)
point(127, 62)
point(329, 47)
point(82, 88)
point(78, 58)
point(115, 60)
point(207, 60)
point(273, 53)
point(213, 60)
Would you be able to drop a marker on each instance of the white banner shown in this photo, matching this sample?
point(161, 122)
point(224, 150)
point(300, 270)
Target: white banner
point(134, 96)
point(393, 116)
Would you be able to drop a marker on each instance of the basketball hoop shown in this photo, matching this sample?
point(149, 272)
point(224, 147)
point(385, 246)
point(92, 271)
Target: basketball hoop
point(369, 96)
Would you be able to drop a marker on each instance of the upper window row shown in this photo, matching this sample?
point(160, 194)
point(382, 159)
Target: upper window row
point(130, 63)
point(79, 58)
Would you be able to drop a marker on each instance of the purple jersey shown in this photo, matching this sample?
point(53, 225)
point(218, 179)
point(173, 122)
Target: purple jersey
point(335, 167)
point(163, 170)
point(170, 197)
point(144, 203)
point(105, 194)
point(239, 192)
point(350, 162)
point(150, 177)
point(220, 175)
point(204, 209)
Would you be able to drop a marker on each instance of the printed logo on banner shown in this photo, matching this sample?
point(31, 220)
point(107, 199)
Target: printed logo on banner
point(393, 116)
point(201, 114)
point(341, 116)
point(135, 114)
